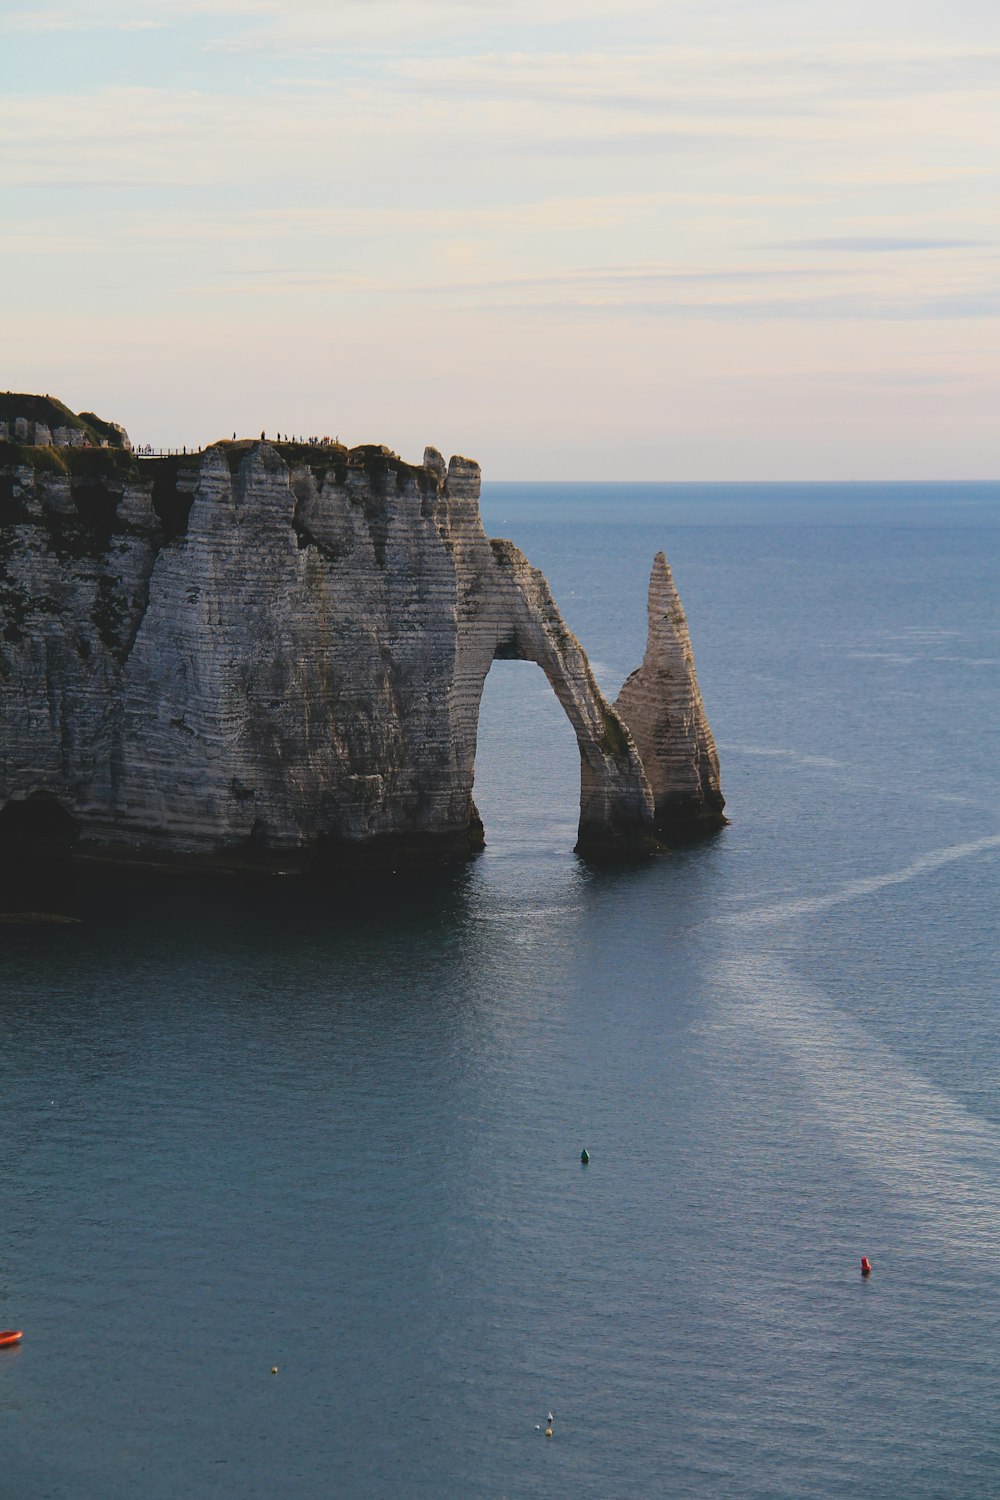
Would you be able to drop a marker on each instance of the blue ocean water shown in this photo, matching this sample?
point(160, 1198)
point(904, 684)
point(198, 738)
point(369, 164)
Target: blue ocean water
point(339, 1132)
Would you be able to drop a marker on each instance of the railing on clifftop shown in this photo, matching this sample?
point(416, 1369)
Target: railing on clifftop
point(148, 451)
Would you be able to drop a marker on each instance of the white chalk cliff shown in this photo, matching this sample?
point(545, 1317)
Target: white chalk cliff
point(273, 656)
point(661, 704)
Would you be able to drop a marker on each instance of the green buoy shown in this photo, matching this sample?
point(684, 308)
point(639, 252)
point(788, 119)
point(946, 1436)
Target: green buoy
point(585, 1156)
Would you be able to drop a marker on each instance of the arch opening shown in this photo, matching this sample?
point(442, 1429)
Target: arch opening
point(527, 769)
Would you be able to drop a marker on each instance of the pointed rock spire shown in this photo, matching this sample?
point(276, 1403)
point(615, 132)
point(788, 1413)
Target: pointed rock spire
point(661, 705)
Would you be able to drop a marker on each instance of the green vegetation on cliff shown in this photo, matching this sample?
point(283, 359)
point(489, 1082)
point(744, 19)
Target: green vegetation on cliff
point(53, 414)
point(84, 463)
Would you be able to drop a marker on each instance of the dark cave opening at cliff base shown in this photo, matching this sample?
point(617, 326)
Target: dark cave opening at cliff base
point(36, 834)
point(527, 784)
point(36, 825)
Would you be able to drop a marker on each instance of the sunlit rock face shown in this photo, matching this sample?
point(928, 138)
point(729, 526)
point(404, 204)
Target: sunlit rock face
point(270, 656)
point(662, 706)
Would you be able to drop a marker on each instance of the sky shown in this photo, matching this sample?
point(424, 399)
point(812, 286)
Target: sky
point(643, 240)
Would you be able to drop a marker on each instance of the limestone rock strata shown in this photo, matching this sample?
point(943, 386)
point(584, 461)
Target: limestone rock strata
point(662, 706)
point(270, 655)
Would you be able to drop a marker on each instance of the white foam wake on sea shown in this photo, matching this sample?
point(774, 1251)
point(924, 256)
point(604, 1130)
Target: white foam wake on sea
point(779, 752)
point(858, 776)
point(907, 1133)
point(853, 890)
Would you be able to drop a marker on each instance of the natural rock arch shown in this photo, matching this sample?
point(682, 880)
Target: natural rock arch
point(294, 675)
point(615, 798)
point(505, 610)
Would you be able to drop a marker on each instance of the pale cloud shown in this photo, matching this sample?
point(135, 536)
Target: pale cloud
point(776, 78)
point(422, 174)
point(840, 309)
point(885, 244)
point(316, 20)
point(826, 37)
point(378, 26)
point(296, 131)
point(43, 20)
point(81, 19)
point(191, 136)
point(647, 201)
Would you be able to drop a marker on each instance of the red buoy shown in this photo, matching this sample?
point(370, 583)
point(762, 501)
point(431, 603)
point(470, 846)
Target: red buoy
point(866, 1268)
point(10, 1336)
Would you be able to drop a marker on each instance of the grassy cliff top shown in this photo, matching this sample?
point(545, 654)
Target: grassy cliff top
point(54, 413)
point(380, 463)
point(88, 463)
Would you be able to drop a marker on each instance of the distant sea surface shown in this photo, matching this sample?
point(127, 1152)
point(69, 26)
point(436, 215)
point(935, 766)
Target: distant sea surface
point(338, 1132)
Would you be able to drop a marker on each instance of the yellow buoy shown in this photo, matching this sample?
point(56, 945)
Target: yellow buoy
point(274, 1369)
point(548, 1432)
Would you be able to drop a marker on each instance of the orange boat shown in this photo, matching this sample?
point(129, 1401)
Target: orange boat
point(10, 1336)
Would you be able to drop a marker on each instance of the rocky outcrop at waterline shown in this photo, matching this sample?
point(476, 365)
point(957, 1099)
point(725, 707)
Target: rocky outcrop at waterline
point(662, 706)
point(272, 655)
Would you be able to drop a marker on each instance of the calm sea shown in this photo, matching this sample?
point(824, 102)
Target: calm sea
point(339, 1132)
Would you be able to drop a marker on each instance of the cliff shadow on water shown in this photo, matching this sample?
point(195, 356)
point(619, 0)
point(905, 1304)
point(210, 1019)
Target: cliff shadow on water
point(462, 910)
point(53, 891)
